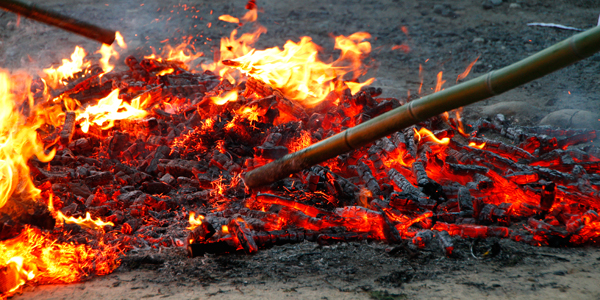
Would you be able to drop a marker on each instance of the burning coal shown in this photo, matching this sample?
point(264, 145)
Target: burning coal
point(97, 160)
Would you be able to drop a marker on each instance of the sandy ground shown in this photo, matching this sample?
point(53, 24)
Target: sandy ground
point(443, 36)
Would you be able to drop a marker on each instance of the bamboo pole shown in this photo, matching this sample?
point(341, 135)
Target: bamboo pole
point(493, 83)
point(34, 12)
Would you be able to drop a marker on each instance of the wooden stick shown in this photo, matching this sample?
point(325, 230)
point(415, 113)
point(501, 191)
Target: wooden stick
point(32, 11)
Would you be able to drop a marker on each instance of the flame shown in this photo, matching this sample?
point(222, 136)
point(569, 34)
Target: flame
point(467, 70)
point(424, 133)
point(250, 113)
point(229, 19)
point(474, 145)
point(195, 221)
point(18, 142)
point(440, 82)
point(35, 255)
point(120, 40)
point(108, 110)
point(230, 96)
point(165, 72)
point(355, 87)
point(297, 71)
point(108, 52)
point(55, 76)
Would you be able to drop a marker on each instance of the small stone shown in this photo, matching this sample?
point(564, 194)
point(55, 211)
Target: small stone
point(509, 109)
point(487, 4)
point(572, 118)
point(496, 2)
point(514, 5)
point(478, 40)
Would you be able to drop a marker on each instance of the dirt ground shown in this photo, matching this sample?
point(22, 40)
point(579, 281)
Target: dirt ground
point(442, 36)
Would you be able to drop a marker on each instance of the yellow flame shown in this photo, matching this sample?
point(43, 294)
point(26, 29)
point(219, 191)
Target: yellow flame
point(230, 96)
point(108, 110)
point(18, 143)
point(299, 74)
point(55, 76)
point(229, 19)
point(195, 222)
point(425, 133)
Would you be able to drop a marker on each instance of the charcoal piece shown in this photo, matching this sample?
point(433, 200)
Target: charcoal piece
point(364, 172)
point(403, 184)
point(201, 233)
point(333, 238)
point(577, 139)
point(220, 246)
point(100, 178)
point(237, 226)
point(548, 196)
point(502, 148)
point(272, 139)
point(446, 242)
point(117, 143)
point(156, 187)
point(423, 239)
point(274, 152)
point(392, 236)
point(465, 200)
point(361, 118)
point(66, 134)
point(464, 170)
point(386, 144)
point(160, 153)
point(137, 71)
point(524, 177)
point(81, 145)
point(380, 108)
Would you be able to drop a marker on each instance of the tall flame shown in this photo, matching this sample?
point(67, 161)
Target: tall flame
point(18, 143)
point(298, 72)
point(55, 76)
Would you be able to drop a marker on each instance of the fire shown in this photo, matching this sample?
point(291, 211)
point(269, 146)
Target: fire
point(424, 133)
point(18, 143)
point(229, 19)
point(36, 256)
point(109, 52)
point(299, 74)
point(68, 69)
point(222, 99)
point(195, 221)
point(108, 110)
point(464, 74)
point(474, 145)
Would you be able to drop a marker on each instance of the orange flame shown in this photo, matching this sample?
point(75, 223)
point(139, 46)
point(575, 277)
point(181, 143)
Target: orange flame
point(108, 52)
point(474, 145)
point(55, 76)
point(34, 255)
point(424, 133)
point(195, 221)
point(18, 142)
point(298, 73)
point(229, 19)
point(108, 110)
point(467, 70)
point(222, 99)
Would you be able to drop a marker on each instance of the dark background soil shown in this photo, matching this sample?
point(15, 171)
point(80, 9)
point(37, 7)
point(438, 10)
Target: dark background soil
point(443, 36)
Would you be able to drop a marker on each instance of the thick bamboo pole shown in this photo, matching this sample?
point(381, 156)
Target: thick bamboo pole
point(493, 83)
point(34, 12)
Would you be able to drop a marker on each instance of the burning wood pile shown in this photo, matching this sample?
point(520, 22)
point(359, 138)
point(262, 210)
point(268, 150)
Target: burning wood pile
point(101, 161)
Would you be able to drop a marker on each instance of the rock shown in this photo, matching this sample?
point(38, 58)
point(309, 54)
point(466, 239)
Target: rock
point(508, 109)
point(443, 10)
point(572, 118)
point(496, 2)
point(478, 40)
point(487, 4)
point(514, 5)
